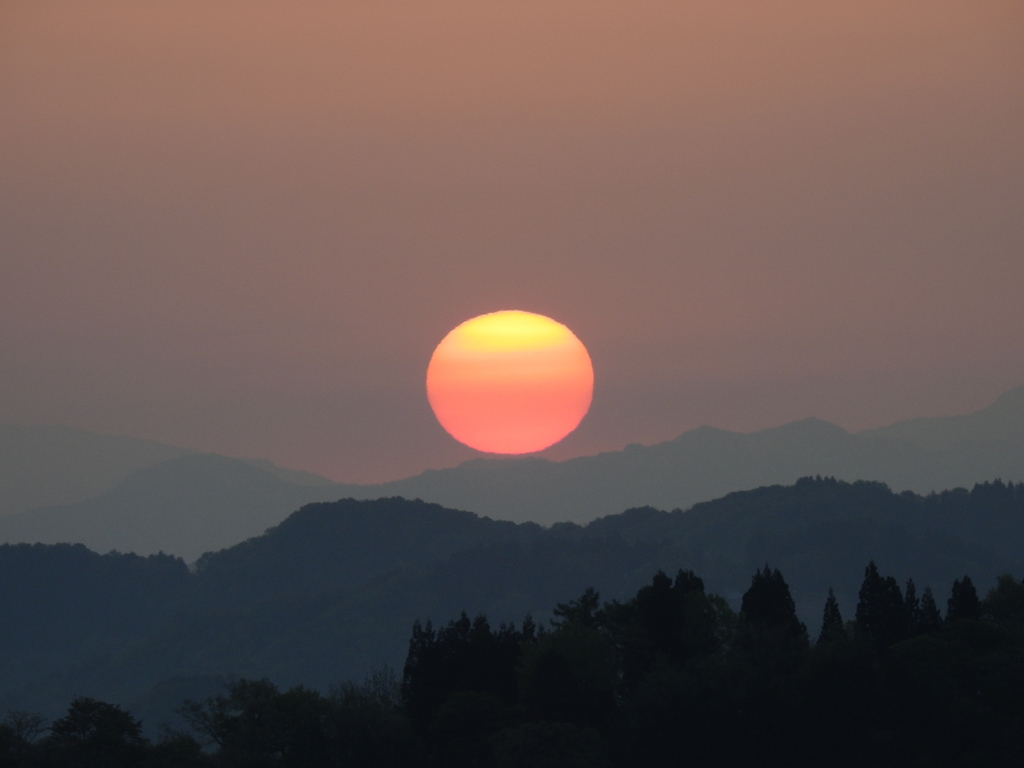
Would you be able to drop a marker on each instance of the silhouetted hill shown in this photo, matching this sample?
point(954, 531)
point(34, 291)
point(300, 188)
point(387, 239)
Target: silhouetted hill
point(324, 546)
point(62, 605)
point(334, 589)
point(185, 506)
point(48, 465)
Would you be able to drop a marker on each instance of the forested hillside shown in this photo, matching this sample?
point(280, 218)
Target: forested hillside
point(332, 592)
point(672, 675)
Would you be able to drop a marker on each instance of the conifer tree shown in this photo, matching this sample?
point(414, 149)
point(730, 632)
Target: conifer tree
point(929, 619)
point(881, 609)
point(912, 606)
point(671, 619)
point(768, 602)
point(832, 621)
point(963, 603)
point(770, 638)
point(769, 629)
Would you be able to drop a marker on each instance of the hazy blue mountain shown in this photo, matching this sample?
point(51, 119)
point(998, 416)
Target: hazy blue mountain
point(185, 506)
point(46, 465)
point(293, 476)
point(1001, 422)
point(703, 464)
point(333, 590)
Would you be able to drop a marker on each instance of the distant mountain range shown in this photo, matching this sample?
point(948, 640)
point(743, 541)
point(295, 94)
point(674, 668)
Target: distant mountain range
point(332, 591)
point(185, 506)
point(131, 495)
point(47, 465)
point(1001, 422)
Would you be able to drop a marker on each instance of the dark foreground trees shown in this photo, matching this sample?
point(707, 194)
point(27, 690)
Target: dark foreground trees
point(670, 677)
point(674, 677)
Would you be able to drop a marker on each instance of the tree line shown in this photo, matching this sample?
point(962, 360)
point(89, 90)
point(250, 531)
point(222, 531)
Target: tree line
point(672, 676)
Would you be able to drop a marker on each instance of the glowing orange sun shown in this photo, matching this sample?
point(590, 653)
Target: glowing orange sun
point(510, 382)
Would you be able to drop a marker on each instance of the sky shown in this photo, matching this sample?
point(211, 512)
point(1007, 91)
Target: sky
point(243, 227)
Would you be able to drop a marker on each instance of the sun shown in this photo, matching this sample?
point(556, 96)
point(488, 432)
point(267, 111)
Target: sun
point(510, 382)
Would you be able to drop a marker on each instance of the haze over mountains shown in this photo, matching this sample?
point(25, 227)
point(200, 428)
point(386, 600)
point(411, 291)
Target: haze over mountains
point(186, 506)
point(46, 465)
point(144, 497)
point(922, 455)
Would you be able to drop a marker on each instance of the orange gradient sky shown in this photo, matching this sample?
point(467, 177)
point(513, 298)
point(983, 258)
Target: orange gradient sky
point(510, 382)
point(243, 226)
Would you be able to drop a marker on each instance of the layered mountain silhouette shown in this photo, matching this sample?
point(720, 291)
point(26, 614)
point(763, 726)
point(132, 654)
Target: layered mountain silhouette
point(920, 455)
point(333, 590)
point(186, 506)
point(195, 503)
point(46, 465)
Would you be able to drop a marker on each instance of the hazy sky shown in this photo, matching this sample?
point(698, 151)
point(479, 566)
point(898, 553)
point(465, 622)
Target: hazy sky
point(244, 226)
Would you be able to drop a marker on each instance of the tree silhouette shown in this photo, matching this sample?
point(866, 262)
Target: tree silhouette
point(769, 638)
point(669, 619)
point(881, 608)
point(94, 734)
point(1004, 605)
point(963, 603)
point(769, 603)
point(929, 619)
point(832, 620)
point(464, 657)
point(912, 608)
point(583, 610)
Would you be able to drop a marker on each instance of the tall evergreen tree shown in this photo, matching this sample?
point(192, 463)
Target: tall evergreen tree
point(769, 603)
point(465, 656)
point(669, 619)
point(769, 634)
point(929, 619)
point(832, 620)
point(912, 606)
point(881, 609)
point(963, 603)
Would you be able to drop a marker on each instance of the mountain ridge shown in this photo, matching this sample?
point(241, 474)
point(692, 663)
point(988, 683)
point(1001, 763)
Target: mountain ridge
point(698, 465)
point(1002, 420)
point(45, 465)
point(185, 506)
